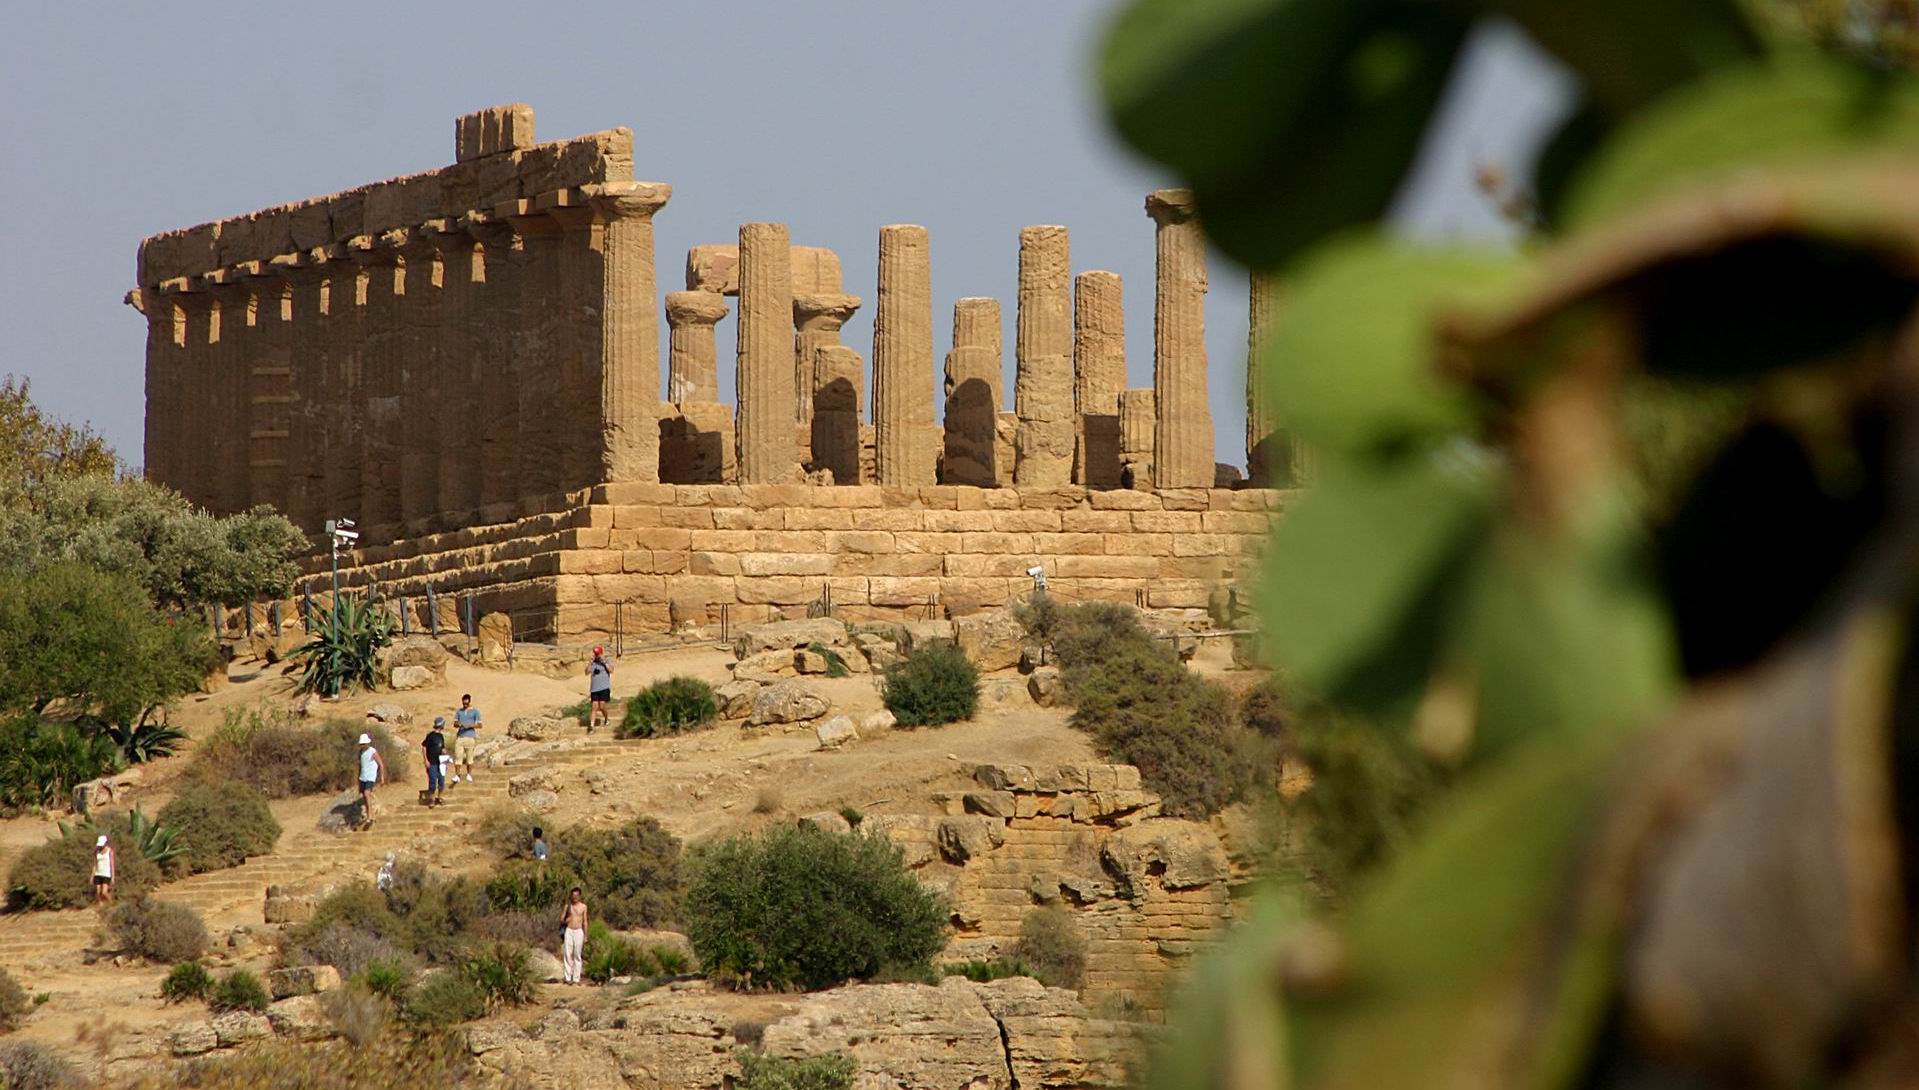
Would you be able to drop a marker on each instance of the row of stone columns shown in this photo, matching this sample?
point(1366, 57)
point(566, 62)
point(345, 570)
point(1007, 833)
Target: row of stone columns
point(439, 368)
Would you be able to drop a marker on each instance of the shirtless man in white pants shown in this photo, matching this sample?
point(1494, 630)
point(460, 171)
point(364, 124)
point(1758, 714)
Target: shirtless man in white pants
point(573, 938)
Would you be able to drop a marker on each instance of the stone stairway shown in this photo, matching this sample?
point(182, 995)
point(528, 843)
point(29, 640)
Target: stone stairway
point(303, 855)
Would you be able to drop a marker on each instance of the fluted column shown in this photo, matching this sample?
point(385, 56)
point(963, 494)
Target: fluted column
point(192, 463)
point(692, 368)
point(1183, 439)
point(629, 364)
point(1273, 458)
point(269, 374)
point(817, 318)
point(379, 419)
point(578, 337)
point(1099, 374)
point(1138, 421)
point(903, 359)
point(1043, 387)
point(307, 386)
point(419, 378)
point(227, 394)
point(765, 357)
point(161, 383)
point(455, 360)
point(838, 375)
point(493, 439)
point(538, 352)
point(974, 388)
point(349, 286)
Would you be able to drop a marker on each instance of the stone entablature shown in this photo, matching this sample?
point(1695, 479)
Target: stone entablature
point(764, 551)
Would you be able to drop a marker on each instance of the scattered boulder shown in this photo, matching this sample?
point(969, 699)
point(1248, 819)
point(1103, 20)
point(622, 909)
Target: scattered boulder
point(420, 651)
point(766, 667)
point(390, 713)
point(787, 635)
point(911, 634)
point(878, 651)
point(827, 821)
point(105, 792)
point(239, 1027)
point(787, 702)
point(811, 662)
point(875, 722)
point(528, 782)
point(546, 968)
point(993, 804)
point(1181, 854)
point(540, 802)
point(411, 677)
point(836, 732)
point(302, 980)
point(538, 728)
point(495, 639)
point(1031, 657)
point(735, 698)
point(195, 1039)
point(1045, 687)
point(993, 640)
point(341, 812)
point(301, 1018)
point(962, 838)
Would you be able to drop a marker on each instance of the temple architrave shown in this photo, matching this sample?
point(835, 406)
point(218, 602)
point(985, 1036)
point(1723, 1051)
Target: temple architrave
point(466, 362)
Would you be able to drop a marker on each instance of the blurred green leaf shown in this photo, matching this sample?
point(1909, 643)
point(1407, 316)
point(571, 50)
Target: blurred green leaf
point(1288, 118)
point(1351, 364)
point(1798, 108)
point(1360, 572)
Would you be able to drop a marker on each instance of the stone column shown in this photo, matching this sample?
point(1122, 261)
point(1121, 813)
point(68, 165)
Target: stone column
point(269, 383)
point(578, 330)
point(903, 359)
point(1137, 425)
point(158, 310)
point(227, 393)
point(1183, 439)
point(974, 388)
point(492, 439)
point(455, 357)
point(306, 386)
point(765, 419)
point(192, 461)
point(1273, 458)
point(380, 420)
point(1043, 388)
point(419, 379)
point(817, 318)
point(838, 374)
point(1099, 374)
point(348, 287)
point(629, 362)
point(692, 368)
point(538, 351)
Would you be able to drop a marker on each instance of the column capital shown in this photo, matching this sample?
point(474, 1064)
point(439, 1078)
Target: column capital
point(525, 219)
point(695, 307)
point(442, 234)
point(366, 250)
point(824, 310)
point(137, 298)
point(304, 267)
point(626, 200)
point(1168, 206)
point(484, 227)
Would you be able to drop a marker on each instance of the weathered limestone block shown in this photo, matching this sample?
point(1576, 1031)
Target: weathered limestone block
point(992, 640)
point(1045, 687)
point(495, 638)
point(1165, 852)
point(238, 1027)
point(787, 702)
point(786, 635)
point(838, 381)
point(538, 728)
point(697, 444)
point(1138, 423)
point(765, 381)
point(962, 839)
point(492, 131)
point(903, 359)
point(1043, 392)
point(735, 698)
point(301, 1018)
point(692, 361)
point(766, 667)
point(302, 980)
point(836, 732)
point(973, 394)
point(1183, 439)
point(1099, 374)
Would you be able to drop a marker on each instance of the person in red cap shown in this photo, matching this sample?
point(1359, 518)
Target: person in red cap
point(599, 687)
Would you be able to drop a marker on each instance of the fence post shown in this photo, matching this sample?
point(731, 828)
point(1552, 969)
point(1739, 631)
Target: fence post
point(306, 611)
point(406, 619)
point(219, 621)
point(432, 613)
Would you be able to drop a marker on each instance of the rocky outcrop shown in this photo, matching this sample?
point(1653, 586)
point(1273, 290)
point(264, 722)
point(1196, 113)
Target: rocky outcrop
point(416, 661)
point(786, 702)
point(992, 640)
point(787, 635)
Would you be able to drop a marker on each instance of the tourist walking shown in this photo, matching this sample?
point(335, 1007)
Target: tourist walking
point(573, 938)
point(539, 845)
point(372, 773)
point(435, 747)
point(466, 735)
point(105, 866)
point(599, 674)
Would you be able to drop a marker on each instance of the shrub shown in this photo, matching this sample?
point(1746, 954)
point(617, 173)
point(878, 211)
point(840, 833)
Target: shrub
point(525, 928)
point(934, 684)
point(526, 888)
point(59, 873)
point(346, 641)
point(445, 998)
point(1370, 788)
point(239, 990)
point(508, 832)
point(985, 972)
point(608, 955)
point(798, 906)
point(1050, 942)
point(157, 930)
point(631, 874)
point(835, 662)
point(219, 825)
point(188, 980)
point(380, 1061)
point(671, 960)
point(27, 1066)
point(42, 762)
point(349, 929)
point(357, 1014)
point(1266, 711)
point(503, 973)
point(386, 978)
point(672, 706)
point(829, 1071)
point(266, 750)
point(14, 1003)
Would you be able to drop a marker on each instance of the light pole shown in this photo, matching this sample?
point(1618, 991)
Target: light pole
point(337, 530)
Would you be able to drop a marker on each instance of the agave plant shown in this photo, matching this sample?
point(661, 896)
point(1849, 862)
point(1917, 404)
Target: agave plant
point(156, 843)
point(346, 639)
point(142, 742)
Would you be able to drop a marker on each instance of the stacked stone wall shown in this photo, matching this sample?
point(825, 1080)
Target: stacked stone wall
point(625, 555)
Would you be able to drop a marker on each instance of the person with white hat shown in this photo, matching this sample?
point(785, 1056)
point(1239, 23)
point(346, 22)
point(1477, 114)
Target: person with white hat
point(104, 867)
point(599, 688)
point(372, 772)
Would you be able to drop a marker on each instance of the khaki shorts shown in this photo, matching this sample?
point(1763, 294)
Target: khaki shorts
point(463, 749)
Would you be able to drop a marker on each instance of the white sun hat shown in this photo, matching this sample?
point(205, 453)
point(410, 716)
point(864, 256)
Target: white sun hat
point(100, 843)
point(366, 739)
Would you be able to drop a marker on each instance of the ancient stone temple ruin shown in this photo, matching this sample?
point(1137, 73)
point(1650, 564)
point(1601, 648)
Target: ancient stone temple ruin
point(466, 362)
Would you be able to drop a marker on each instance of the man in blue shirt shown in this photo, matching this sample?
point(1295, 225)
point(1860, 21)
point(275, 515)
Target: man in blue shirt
point(466, 735)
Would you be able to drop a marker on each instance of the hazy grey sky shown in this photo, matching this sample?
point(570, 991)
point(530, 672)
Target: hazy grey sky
point(833, 117)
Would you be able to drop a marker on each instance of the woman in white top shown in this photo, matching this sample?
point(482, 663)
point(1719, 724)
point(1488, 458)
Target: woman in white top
point(372, 772)
point(103, 870)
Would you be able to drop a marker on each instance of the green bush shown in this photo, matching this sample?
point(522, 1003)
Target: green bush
point(670, 960)
point(985, 972)
point(346, 640)
point(835, 662)
point(672, 706)
point(271, 753)
point(42, 762)
point(218, 826)
point(188, 980)
point(445, 998)
point(28, 1066)
point(385, 978)
point(507, 832)
point(632, 874)
point(503, 973)
point(59, 873)
point(607, 955)
point(14, 1003)
point(829, 1071)
point(1267, 712)
point(157, 930)
point(525, 887)
point(349, 929)
point(797, 906)
point(1370, 789)
point(1050, 942)
point(934, 684)
point(435, 912)
point(239, 990)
